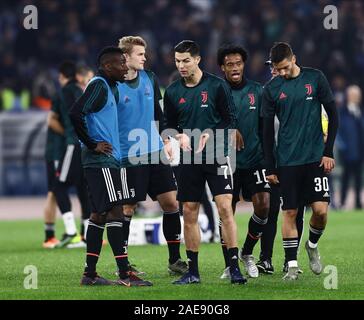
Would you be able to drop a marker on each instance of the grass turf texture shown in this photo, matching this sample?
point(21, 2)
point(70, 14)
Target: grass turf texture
point(59, 270)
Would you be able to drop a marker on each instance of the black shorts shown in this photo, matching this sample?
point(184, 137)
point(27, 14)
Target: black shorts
point(192, 180)
point(51, 174)
point(70, 169)
point(303, 185)
point(248, 182)
point(107, 187)
point(151, 179)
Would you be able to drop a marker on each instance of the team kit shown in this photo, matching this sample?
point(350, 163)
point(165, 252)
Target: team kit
point(114, 139)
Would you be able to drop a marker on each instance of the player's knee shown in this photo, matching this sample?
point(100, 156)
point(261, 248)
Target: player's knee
point(190, 215)
point(290, 215)
point(189, 220)
point(116, 213)
point(321, 213)
point(225, 209)
point(262, 211)
point(97, 218)
point(170, 205)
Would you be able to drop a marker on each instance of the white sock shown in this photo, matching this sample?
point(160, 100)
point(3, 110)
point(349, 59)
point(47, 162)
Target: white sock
point(85, 224)
point(292, 263)
point(312, 245)
point(69, 223)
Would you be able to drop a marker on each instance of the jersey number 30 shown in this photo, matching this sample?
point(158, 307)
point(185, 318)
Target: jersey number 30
point(321, 184)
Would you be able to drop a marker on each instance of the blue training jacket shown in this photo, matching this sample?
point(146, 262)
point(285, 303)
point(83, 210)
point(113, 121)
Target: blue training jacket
point(138, 134)
point(103, 125)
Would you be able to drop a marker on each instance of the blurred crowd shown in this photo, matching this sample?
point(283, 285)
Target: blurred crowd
point(76, 30)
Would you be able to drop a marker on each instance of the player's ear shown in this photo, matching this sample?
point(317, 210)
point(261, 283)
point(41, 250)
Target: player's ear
point(198, 59)
point(222, 68)
point(127, 57)
point(107, 67)
point(294, 59)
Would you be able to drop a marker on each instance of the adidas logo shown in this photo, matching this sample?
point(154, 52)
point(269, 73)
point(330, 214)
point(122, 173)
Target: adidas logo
point(309, 98)
point(189, 260)
point(282, 96)
point(126, 99)
point(267, 186)
point(228, 187)
point(234, 258)
point(181, 101)
point(326, 195)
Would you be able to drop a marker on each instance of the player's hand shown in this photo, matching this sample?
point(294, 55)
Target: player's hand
point(237, 140)
point(202, 143)
point(272, 179)
point(104, 147)
point(184, 141)
point(328, 164)
point(168, 151)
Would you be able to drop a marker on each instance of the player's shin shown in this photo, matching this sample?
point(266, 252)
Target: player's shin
point(172, 233)
point(223, 246)
point(290, 237)
point(94, 244)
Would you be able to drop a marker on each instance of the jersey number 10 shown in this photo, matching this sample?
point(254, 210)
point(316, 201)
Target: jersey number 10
point(259, 180)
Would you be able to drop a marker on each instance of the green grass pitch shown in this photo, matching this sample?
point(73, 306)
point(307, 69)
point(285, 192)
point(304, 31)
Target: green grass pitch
point(59, 271)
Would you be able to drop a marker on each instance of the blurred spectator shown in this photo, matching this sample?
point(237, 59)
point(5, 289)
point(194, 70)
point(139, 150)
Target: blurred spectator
point(76, 30)
point(17, 99)
point(43, 89)
point(351, 143)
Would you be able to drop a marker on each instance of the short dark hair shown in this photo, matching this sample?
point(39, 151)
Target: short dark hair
point(68, 69)
point(226, 49)
point(188, 46)
point(280, 51)
point(106, 52)
point(83, 69)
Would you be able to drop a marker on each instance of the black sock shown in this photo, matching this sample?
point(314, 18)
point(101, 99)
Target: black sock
point(267, 239)
point(49, 231)
point(126, 231)
point(255, 230)
point(270, 229)
point(224, 247)
point(315, 234)
point(290, 246)
point(115, 232)
point(233, 257)
point(82, 230)
point(94, 244)
point(192, 258)
point(172, 233)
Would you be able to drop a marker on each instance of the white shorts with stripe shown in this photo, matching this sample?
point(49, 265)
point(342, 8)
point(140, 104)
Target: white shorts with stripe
point(107, 187)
